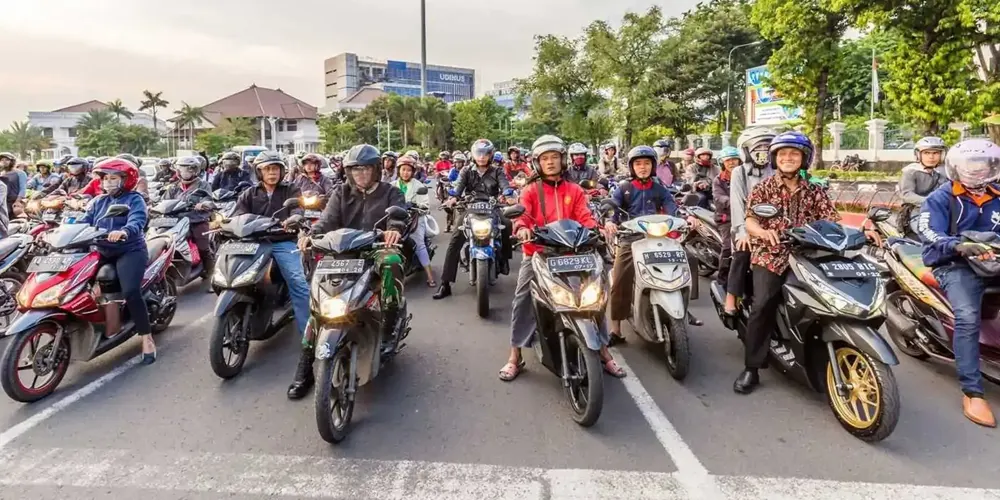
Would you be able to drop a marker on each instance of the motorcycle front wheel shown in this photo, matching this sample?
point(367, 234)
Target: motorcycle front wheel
point(167, 289)
point(229, 343)
point(586, 384)
point(334, 406)
point(676, 348)
point(29, 370)
point(870, 410)
point(483, 288)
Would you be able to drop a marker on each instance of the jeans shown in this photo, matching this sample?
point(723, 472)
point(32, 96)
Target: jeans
point(964, 290)
point(131, 266)
point(290, 264)
point(419, 237)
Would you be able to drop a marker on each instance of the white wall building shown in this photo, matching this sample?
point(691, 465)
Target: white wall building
point(59, 126)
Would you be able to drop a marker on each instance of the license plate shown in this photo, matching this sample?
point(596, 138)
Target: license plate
point(51, 263)
point(844, 270)
point(572, 263)
point(164, 222)
point(49, 216)
point(340, 266)
point(313, 214)
point(239, 248)
point(481, 206)
point(665, 257)
point(73, 215)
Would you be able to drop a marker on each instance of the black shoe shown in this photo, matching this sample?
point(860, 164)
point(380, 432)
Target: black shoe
point(693, 321)
point(747, 381)
point(304, 378)
point(443, 292)
point(503, 267)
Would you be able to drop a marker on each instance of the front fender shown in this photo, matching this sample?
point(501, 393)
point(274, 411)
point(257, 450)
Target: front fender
point(33, 317)
point(228, 299)
point(671, 302)
point(586, 328)
point(327, 341)
point(480, 253)
point(861, 336)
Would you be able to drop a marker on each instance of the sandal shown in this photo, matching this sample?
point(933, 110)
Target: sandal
point(510, 371)
point(612, 368)
point(432, 283)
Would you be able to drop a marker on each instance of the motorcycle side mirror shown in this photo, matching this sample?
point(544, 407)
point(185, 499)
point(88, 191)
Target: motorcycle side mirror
point(878, 214)
point(115, 211)
point(243, 185)
point(608, 206)
point(290, 203)
point(514, 212)
point(396, 213)
point(765, 210)
point(588, 184)
point(422, 190)
point(201, 192)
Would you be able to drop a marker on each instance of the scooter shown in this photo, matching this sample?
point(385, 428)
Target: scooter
point(705, 242)
point(482, 248)
point(827, 326)
point(72, 308)
point(169, 217)
point(346, 320)
point(16, 252)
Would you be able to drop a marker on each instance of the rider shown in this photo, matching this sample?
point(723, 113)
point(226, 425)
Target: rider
point(10, 178)
point(311, 178)
point(666, 172)
point(800, 202)
point(44, 178)
point(515, 164)
point(409, 185)
point(444, 162)
point(141, 186)
point(125, 245)
point(561, 200)
point(230, 173)
point(701, 176)
point(919, 180)
point(608, 165)
point(165, 172)
point(266, 199)
point(78, 177)
point(480, 179)
point(970, 202)
point(389, 159)
point(359, 204)
point(754, 145)
point(578, 170)
point(639, 196)
point(188, 170)
point(730, 158)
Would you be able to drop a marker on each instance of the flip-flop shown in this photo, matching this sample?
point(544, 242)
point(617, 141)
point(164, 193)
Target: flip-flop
point(510, 371)
point(432, 284)
point(617, 372)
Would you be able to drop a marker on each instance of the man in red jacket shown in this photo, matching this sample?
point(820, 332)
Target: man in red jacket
point(563, 200)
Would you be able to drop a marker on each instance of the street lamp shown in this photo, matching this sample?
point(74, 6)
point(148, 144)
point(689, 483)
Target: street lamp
point(729, 90)
point(423, 48)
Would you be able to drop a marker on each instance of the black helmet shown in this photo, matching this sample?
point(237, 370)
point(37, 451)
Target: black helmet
point(362, 155)
point(131, 159)
point(230, 159)
point(266, 158)
point(189, 167)
point(482, 150)
point(163, 164)
point(62, 159)
point(641, 152)
point(76, 163)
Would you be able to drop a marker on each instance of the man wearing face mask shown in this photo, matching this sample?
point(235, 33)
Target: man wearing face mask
point(230, 174)
point(77, 177)
point(666, 172)
point(188, 170)
point(578, 170)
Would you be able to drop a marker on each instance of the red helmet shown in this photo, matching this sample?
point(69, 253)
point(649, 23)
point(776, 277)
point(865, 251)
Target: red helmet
point(124, 168)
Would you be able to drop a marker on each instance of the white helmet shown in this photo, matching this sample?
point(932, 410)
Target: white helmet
point(929, 143)
point(545, 144)
point(973, 163)
point(758, 139)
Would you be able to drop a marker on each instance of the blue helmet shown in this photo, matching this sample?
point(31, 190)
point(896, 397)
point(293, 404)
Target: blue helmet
point(795, 140)
point(498, 157)
point(729, 152)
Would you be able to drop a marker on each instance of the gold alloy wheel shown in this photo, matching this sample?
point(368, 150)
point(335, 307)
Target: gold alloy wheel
point(860, 409)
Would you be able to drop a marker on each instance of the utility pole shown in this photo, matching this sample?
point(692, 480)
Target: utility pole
point(729, 89)
point(423, 48)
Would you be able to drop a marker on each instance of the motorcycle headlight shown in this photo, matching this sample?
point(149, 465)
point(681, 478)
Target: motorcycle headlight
point(218, 277)
point(481, 228)
point(310, 201)
point(562, 296)
point(591, 295)
point(839, 302)
point(49, 298)
point(332, 307)
point(33, 207)
point(657, 229)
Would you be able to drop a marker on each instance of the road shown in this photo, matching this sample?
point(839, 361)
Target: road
point(440, 425)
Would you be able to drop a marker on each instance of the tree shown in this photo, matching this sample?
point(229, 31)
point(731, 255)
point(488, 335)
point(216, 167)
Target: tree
point(337, 132)
point(623, 60)
point(150, 103)
point(105, 141)
point(189, 116)
point(95, 119)
point(478, 119)
point(136, 139)
point(119, 109)
point(26, 138)
point(434, 112)
point(808, 33)
point(851, 78)
point(403, 110)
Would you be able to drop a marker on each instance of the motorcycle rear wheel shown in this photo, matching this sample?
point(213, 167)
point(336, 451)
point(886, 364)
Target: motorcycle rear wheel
point(871, 410)
point(586, 386)
point(334, 407)
point(223, 338)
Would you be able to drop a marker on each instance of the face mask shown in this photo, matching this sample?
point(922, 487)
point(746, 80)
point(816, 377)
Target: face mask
point(579, 161)
point(186, 174)
point(75, 169)
point(111, 186)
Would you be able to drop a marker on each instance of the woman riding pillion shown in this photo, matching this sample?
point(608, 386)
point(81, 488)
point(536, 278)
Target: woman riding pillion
point(549, 162)
point(125, 246)
point(409, 185)
point(730, 158)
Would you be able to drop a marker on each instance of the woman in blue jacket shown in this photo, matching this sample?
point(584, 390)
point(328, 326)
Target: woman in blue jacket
point(125, 245)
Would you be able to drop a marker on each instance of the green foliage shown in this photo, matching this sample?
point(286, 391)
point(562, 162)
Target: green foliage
point(119, 110)
point(105, 141)
point(151, 102)
point(337, 133)
point(851, 78)
point(22, 138)
point(649, 135)
point(95, 119)
point(477, 119)
point(231, 132)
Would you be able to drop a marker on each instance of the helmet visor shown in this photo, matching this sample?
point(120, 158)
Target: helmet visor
point(974, 171)
point(662, 151)
point(482, 153)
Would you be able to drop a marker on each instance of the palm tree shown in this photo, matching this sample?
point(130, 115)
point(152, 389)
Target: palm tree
point(95, 120)
point(189, 116)
point(150, 103)
point(118, 108)
point(27, 138)
point(404, 109)
point(435, 113)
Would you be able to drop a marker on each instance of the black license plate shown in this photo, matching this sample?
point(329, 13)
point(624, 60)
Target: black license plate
point(665, 257)
point(164, 222)
point(340, 266)
point(572, 263)
point(239, 248)
point(845, 270)
point(51, 263)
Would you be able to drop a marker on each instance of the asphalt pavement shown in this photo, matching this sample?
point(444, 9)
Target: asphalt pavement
point(438, 424)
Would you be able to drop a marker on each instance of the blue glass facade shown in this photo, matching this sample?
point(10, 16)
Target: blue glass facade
point(404, 79)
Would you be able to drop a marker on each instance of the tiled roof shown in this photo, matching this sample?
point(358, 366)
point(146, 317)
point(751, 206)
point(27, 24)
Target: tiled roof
point(259, 101)
point(83, 107)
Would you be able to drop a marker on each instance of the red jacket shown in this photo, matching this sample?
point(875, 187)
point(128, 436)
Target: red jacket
point(512, 169)
point(563, 200)
point(93, 188)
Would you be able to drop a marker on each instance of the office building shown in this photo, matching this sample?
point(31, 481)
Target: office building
point(353, 81)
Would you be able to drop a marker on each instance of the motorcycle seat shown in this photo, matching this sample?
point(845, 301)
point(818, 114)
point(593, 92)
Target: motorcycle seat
point(107, 273)
point(706, 216)
point(910, 256)
point(155, 246)
point(8, 245)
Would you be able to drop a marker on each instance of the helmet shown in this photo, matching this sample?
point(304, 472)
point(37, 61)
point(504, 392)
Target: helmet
point(791, 139)
point(76, 165)
point(444, 155)
point(545, 144)
point(188, 168)
point(312, 157)
point(640, 152)
point(512, 149)
point(703, 151)
point(230, 160)
point(364, 155)
point(929, 143)
point(131, 159)
point(163, 164)
point(482, 150)
point(62, 160)
point(213, 161)
point(610, 145)
point(689, 152)
point(459, 157)
point(406, 160)
point(577, 149)
point(973, 163)
point(753, 138)
point(427, 157)
point(498, 157)
point(119, 166)
point(413, 154)
point(265, 158)
point(729, 152)
point(8, 156)
point(662, 147)
point(455, 153)
point(390, 154)
point(92, 160)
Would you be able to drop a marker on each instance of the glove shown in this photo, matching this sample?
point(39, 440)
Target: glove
point(971, 249)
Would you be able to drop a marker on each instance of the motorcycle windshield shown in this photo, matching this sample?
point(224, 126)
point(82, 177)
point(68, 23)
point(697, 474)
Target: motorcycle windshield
point(222, 194)
point(68, 235)
point(243, 226)
point(168, 206)
point(564, 233)
point(345, 240)
point(829, 235)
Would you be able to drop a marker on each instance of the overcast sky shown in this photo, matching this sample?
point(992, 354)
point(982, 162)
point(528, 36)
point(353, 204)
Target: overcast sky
point(57, 53)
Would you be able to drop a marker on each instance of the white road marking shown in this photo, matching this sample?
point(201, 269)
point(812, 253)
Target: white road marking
point(16, 431)
point(691, 473)
point(784, 488)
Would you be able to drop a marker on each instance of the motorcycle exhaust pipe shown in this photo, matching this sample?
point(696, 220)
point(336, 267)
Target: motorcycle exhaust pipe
point(899, 321)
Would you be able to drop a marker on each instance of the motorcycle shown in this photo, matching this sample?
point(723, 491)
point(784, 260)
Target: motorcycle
point(346, 320)
point(250, 287)
point(827, 326)
point(16, 251)
point(72, 299)
point(482, 248)
point(569, 295)
point(705, 242)
point(169, 218)
point(419, 215)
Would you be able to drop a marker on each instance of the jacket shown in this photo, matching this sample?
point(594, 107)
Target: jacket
point(577, 175)
point(228, 179)
point(741, 182)
point(40, 182)
point(492, 183)
point(609, 168)
point(720, 195)
point(511, 169)
point(322, 186)
point(973, 215)
point(134, 223)
point(74, 183)
point(917, 183)
point(563, 200)
point(666, 172)
point(13, 182)
point(351, 208)
point(178, 192)
point(409, 191)
point(256, 201)
point(4, 213)
point(639, 198)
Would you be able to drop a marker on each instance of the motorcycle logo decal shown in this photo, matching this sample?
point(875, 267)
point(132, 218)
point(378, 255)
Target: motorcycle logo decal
point(995, 219)
point(567, 200)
